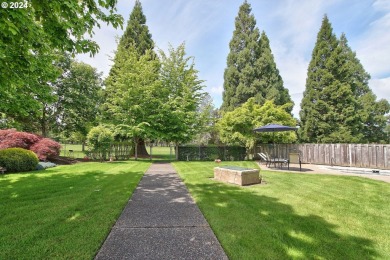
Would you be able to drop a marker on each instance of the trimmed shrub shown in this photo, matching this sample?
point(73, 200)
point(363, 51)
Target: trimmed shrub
point(211, 153)
point(46, 148)
point(99, 139)
point(18, 160)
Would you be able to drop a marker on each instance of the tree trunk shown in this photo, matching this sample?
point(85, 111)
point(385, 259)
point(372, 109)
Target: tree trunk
point(141, 149)
point(177, 151)
point(43, 122)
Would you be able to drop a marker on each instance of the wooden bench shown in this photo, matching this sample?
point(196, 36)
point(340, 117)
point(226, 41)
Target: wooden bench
point(2, 170)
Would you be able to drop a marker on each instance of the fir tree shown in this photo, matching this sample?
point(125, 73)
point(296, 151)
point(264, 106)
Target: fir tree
point(338, 105)
point(251, 70)
point(370, 114)
point(314, 107)
point(135, 36)
point(270, 82)
point(240, 81)
point(137, 32)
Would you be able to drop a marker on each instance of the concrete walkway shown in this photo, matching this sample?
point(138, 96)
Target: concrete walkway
point(161, 221)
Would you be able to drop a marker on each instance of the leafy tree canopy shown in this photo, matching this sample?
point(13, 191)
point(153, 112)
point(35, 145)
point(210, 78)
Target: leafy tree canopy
point(236, 127)
point(79, 96)
point(27, 40)
point(182, 97)
point(134, 98)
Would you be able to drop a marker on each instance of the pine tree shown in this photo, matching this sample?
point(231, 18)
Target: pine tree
point(251, 70)
point(370, 113)
point(240, 75)
point(137, 37)
point(270, 82)
point(338, 105)
point(137, 32)
point(314, 107)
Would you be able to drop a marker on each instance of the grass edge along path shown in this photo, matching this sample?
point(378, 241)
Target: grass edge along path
point(293, 216)
point(64, 212)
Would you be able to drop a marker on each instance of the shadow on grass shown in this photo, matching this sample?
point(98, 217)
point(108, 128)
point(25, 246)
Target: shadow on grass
point(61, 215)
point(257, 226)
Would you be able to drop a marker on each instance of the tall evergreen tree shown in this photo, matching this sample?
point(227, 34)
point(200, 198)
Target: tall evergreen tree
point(251, 70)
point(137, 32)
point(318, 113)
point(314, 108)
point(240, 81)
point(338, 105)
point(270, 82)
point(370, 113)
point(138, 38)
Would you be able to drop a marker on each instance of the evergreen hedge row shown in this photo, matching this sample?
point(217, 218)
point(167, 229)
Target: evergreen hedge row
point(211, 153)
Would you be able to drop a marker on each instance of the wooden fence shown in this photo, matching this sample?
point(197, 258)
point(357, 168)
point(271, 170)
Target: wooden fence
point(353, 155)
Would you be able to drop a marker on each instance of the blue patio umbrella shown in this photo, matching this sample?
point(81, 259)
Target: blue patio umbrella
point(274, 128)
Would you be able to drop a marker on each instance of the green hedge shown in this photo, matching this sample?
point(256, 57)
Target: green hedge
point(210, 153)
point(18, 160)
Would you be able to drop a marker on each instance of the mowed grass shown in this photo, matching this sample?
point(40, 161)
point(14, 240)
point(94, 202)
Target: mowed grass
point(294, 216)
point(64, 212)
point(158, 152)
point(77, 150)
point(162, 153)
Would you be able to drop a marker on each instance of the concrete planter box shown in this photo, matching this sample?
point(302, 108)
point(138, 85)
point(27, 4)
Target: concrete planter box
point(237, 175)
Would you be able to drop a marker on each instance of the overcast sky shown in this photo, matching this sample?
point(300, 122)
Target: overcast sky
point(206, 27)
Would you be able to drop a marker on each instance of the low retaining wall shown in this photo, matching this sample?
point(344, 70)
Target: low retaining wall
point(237, 175)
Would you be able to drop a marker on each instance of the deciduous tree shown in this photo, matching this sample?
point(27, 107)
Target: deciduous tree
point(134, 98)
point(27, 40)
point(137, 38)
point(79, 98)
point(182, 97)
point(236, 127)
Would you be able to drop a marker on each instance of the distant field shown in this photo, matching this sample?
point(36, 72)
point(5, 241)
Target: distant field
point(72, 150)
point(158, 152)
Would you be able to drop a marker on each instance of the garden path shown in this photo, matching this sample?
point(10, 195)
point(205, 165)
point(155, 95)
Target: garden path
point(161, 221)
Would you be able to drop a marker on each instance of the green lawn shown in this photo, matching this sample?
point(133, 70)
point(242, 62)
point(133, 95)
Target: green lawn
point(163, 152)
point(64, 212)
point(294, 216)
point(158, 152)
point(76, 148)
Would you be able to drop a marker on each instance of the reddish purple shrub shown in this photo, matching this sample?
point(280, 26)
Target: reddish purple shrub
point(46, 148)
point(43, 147)
point(12, 138)
point(5, 133)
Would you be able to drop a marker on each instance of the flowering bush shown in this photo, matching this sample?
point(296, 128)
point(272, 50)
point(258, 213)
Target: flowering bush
point(43, 147)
